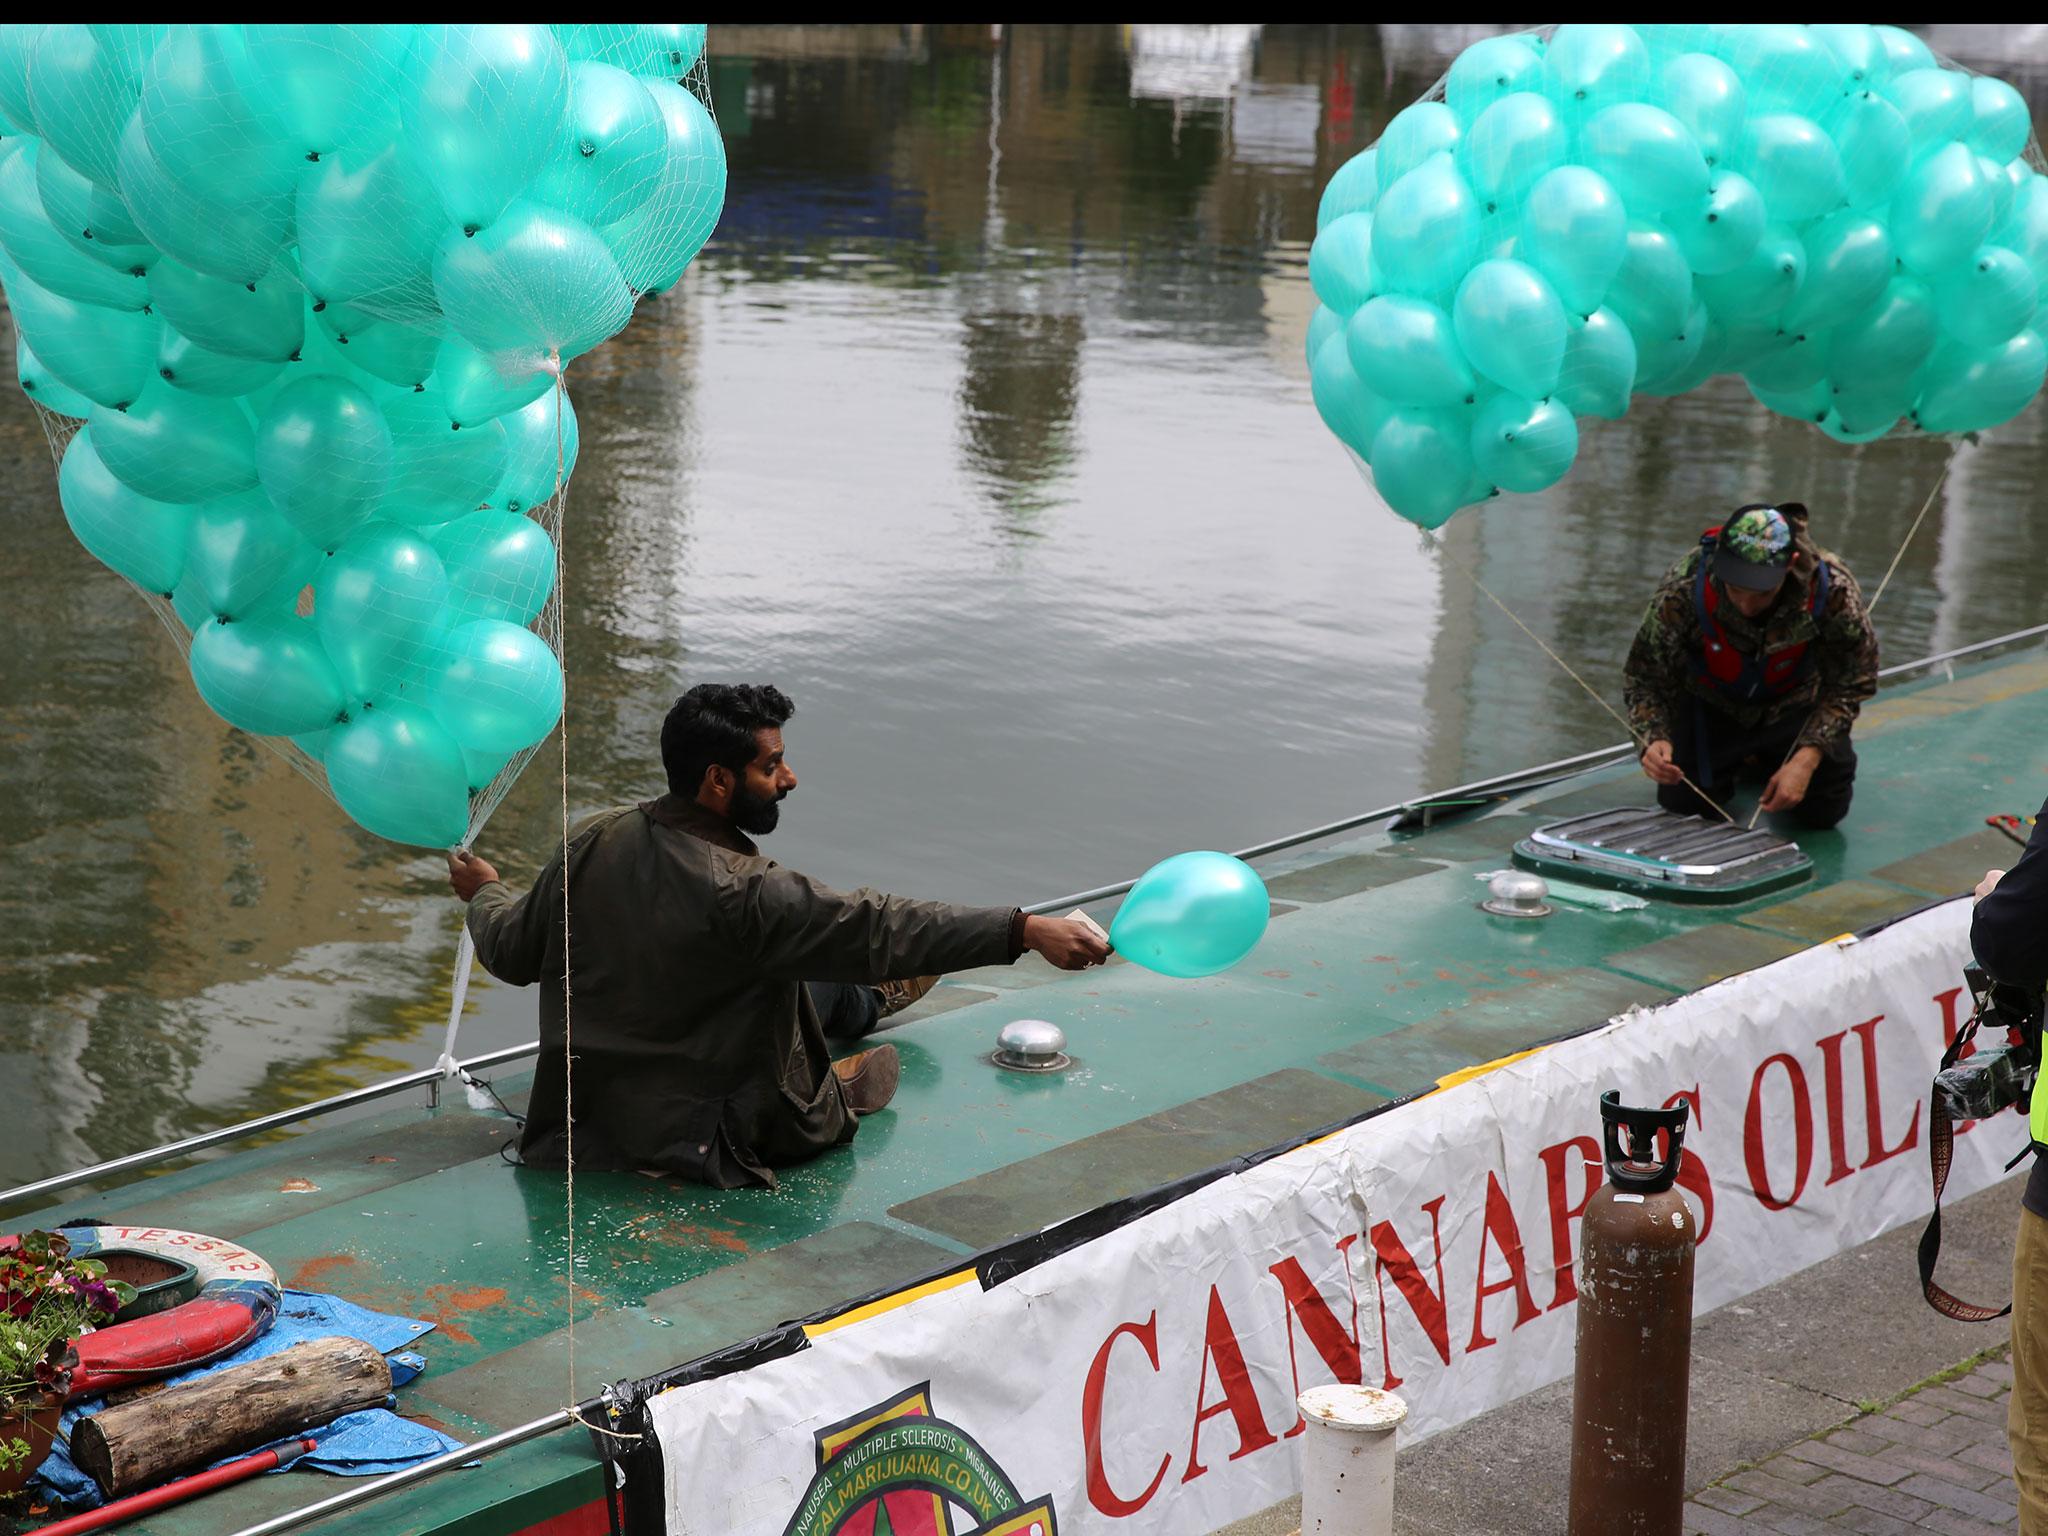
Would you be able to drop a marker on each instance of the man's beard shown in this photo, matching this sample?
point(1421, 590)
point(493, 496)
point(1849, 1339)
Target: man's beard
point(755, 815)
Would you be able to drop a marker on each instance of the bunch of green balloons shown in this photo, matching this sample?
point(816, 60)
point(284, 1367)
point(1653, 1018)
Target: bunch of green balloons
point(1828, 210)
point(306, 292)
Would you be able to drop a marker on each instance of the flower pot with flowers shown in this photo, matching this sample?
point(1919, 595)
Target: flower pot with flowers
point(47, 1300)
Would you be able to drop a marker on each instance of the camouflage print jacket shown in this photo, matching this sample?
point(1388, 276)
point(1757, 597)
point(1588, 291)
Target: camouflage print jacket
point(1661, 675)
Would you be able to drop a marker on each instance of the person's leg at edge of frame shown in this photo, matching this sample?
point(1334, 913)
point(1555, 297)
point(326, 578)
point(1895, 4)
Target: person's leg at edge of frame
point(2027, 1410)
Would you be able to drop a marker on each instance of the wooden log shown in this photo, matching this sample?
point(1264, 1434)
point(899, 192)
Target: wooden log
point(139, 1444)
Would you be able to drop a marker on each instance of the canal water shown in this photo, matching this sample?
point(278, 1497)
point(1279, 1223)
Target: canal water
point(982, 429)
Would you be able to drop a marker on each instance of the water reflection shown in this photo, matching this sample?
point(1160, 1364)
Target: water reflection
point(982, 428)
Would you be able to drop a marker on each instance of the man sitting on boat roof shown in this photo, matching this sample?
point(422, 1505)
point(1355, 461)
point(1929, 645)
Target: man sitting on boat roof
point(699, 1046)
point(1752, 662)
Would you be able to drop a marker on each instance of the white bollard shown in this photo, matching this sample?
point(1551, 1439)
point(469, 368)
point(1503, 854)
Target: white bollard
point(1347, 1460)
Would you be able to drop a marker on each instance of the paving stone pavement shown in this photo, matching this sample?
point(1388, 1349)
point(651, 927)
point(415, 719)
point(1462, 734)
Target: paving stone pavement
point(1936, 1460)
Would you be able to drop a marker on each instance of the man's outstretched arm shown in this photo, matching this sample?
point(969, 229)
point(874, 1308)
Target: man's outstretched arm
point(511, 933)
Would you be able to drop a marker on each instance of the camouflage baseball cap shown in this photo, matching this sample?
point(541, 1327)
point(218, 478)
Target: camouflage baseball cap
point(1755, 549)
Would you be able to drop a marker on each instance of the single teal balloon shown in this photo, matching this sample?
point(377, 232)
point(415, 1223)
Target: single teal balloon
point(312, 743)
point(1421, 460)
point(1647, 154)
point(1719, 231)
point(1868, 408)
point(179, 447)
point(335, 88)
point(263, 321)
point(1653, 291)
point(1941, 213)
point(1348, 405)
point(1575, 232)
point(537, 282)
point(1971, 389)
point(368, 224)
point(17, 46)
point(1835, 427)
point(1406, 351)
point(266, 675)
point(1812, 403)
point(1937, 104)
point(1905, 51)
point(91, 217)
point(540, 452)
point(1788, 67)
point(246, 560)
point(500, 565)
point(1322, 325)
point(1340, 263)
point(1704, 94)
point(667, 52)
point(1590, 66)
point(143, 540)
point(610, 157)
point(184, 364)
point(1511, 327)
point(1890, 339)
point(43, 387)
point(188, 604)
point(1990, 299)
point(1510, 145)
point(2026, 227)
point(1599, 370)
point(477, 388)
point(1764, 284)
point(1521, 444)
point(324, 457)
point(83, 83)
point(1425, 233)
point(440, 471)
point(106, 355)
point(1487, 72)
point(482, 768)
point(1876, 148)
point(1354, 188)
point(403, 355)
point(655, 244)
point(1801, 361)
point(378, 606)
point(208, 118)
point(2003, 185)
point(1192, 915)
point(1794, 164)
point(499, 688)
point(399, 774)
point(50, 260)
point(2000, 124)
point(238, 239)
point(488, 106)
point(1415, 135)
point(1848, 263)
point(1666, 361)
point(1859, 50)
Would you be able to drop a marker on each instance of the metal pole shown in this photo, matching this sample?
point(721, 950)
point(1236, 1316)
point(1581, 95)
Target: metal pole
point(201, 1142)
point(363, 1493)
point(1347, 1460)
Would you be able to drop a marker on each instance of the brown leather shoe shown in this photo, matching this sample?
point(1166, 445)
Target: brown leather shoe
point(895, 996)
point(868, 1081)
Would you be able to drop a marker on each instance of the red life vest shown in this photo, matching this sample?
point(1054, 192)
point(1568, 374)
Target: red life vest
point(1720, 668)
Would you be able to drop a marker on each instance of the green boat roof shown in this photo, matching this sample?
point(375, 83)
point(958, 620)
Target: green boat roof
point(1379, 976)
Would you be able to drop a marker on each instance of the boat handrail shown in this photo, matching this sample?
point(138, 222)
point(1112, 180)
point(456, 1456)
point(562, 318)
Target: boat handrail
point(429, 1077)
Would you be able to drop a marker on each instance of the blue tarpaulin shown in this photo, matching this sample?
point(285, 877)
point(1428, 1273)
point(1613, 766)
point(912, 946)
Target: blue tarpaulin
point(354, 1445)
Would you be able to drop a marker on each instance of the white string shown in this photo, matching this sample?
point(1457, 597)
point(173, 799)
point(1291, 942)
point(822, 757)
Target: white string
point(568, 1054)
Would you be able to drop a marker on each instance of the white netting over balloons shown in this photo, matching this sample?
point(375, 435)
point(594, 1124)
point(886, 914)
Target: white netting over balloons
point(294, 302)
point(1571, 217)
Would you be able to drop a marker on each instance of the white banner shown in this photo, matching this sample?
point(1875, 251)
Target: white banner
point(1144, 1382)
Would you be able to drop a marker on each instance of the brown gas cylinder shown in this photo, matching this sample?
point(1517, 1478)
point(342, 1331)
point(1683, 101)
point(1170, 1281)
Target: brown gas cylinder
point(1635, 1333)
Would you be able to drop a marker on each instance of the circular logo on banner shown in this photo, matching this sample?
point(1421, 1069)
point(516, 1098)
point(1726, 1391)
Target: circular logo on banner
point(897, 1470)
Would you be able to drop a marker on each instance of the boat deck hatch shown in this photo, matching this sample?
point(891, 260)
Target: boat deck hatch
point(1661, 853)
